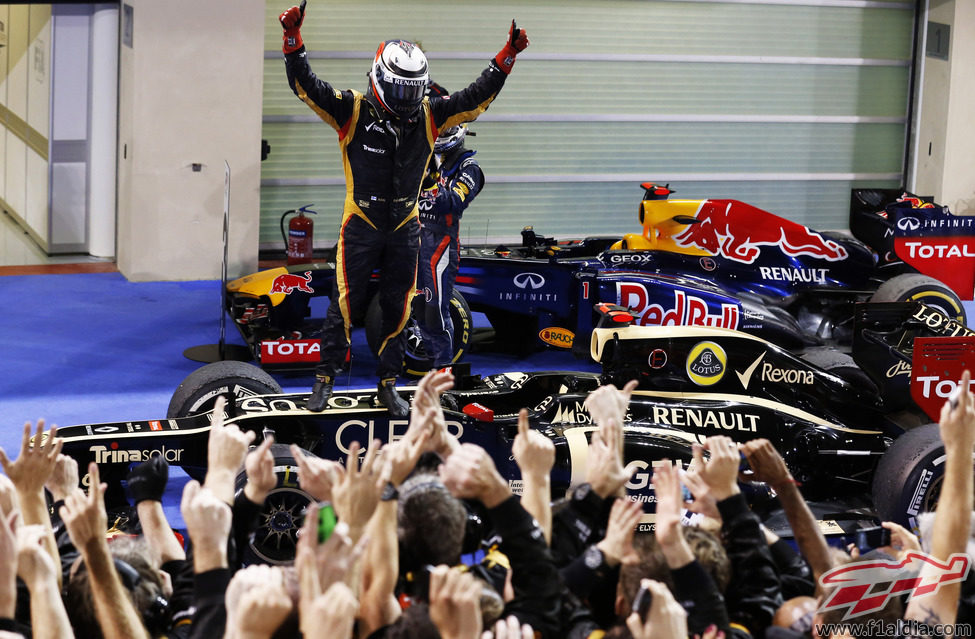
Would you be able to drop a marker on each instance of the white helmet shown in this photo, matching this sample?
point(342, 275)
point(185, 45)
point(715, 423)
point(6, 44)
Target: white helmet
point(451, 138)
point(399, 77)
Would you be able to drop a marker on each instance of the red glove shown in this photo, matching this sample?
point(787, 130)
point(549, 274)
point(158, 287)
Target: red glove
point(517, 42)
point(291, 23)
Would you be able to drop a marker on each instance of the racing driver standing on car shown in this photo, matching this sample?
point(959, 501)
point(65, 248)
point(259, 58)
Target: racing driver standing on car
point(454, 179)
point(386, 138)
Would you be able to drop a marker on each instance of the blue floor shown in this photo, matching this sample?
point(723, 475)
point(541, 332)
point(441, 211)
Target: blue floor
point(91, 348)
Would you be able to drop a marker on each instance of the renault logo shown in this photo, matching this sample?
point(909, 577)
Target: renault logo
point(529, 280)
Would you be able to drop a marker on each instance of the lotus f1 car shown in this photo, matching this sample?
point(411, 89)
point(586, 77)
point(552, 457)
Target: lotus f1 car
point(828, 419)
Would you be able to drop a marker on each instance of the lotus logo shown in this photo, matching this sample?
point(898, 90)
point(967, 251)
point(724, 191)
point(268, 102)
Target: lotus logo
point(529, 280)
point(908, 224)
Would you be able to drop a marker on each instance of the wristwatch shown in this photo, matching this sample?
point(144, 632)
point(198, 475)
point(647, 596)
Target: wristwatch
point(593, 558)
point(580, 492)
point(389, 492)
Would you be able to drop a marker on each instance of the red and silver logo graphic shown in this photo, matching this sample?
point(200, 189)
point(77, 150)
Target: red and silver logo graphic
point(290, 282)
point(737, 231)
point(866, 586)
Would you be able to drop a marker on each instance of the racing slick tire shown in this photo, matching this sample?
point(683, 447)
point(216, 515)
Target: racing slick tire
point(282, 515)
point(199, 391)
point(909, 476)
point(839, 364)
point(416, 362)
point(914, 287)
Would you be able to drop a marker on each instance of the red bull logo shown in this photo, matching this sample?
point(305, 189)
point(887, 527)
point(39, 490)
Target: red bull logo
point(687, 310)
point(737, 231)
point(290, 282)
point(916, 575)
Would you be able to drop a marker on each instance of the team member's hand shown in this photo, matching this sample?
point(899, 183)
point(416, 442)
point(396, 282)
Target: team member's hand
point(357, 492)
point(509, 628)
point(36, 461)
point(34, 565)
point(902, 540)
point(257, 601)
point(226, 448)
point(666, 619)
point(766, 463)
point(64, 478)
point(608, 403)
point(207, 520)
point(957, 423)
point(84, 515)
point(721, 470)
point(455, 603)
point(517, 42)
point(291, 23)
point(259, 465)
point(470, 473)
point(623, 519)
point(317, 476)
point(533, 452)
point(604, 468)
point(147, 481)
point(8, 569)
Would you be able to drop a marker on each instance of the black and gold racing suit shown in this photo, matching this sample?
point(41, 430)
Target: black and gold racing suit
point(384, 159)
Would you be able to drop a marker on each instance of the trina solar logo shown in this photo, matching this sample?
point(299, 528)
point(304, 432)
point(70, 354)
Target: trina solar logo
point(112, 455)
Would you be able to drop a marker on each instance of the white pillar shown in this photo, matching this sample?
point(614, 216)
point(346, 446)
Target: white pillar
point(103, 130)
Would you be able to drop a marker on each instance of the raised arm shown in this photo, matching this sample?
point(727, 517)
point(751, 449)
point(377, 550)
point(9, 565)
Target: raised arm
point(85, 518)
point(768, 466)
point(952, 516)
point(32, 469)
point(535, 455)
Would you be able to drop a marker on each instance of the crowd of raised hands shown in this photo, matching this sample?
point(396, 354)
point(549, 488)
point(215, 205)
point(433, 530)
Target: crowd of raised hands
point(423, 537)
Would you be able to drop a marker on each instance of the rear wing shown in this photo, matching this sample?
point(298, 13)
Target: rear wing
point(938, 365)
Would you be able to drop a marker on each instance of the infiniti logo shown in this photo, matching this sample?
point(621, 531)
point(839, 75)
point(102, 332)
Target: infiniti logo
point(908, 224)
point(529, 280)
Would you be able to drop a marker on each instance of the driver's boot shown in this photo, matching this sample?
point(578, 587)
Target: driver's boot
point(389, 398)
point(320, 393)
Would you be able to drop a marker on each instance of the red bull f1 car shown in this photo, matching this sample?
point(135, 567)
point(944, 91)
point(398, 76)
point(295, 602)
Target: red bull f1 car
point(715, 263)
point(848, 431)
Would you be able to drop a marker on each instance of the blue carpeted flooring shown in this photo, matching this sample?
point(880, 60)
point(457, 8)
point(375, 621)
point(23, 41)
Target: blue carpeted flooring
point(90, 348)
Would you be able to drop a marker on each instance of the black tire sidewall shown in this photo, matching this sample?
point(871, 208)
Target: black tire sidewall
point(915, 287)
point(197, 393)
point(909, 475)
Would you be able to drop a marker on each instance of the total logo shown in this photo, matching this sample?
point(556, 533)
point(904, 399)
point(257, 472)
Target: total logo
point(770, 373)
point(706, 363)
point(932, 385)
point(940, 251)
point(291, 350)
point(532, 281)
point(112, 455)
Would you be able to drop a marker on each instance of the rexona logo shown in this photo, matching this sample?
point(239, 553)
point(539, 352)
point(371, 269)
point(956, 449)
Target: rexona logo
point(706, 363)
point(770, 373)
point(111, 455)
point(866, 586)
point(557, 336)
point(687, 310)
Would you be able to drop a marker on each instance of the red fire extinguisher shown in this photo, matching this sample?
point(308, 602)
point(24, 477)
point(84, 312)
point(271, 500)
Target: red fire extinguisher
point(300, 234)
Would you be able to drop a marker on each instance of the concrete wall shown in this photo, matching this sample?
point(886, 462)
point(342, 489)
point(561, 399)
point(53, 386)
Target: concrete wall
point(190, 91)
point(945, 142)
